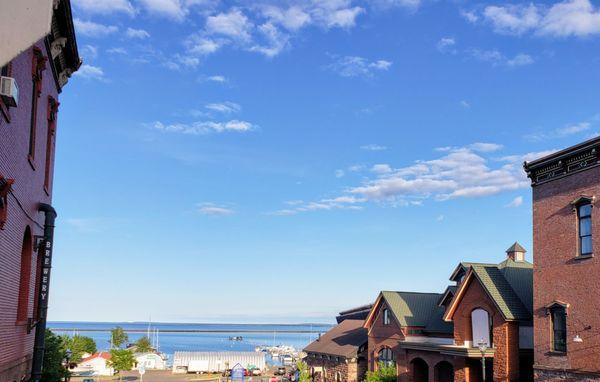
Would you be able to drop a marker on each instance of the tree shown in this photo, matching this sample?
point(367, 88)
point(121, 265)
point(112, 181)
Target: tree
point(383, 374)
point(78, 346)
point(143, 345)
point(54, 354)
point(303, 373)
point(121, 360)
point(118, 337)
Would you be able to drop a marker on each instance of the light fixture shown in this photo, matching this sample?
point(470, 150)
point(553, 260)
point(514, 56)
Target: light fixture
point(578, 339)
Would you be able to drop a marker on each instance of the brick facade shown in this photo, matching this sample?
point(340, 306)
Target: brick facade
point(505, 334)
point(22, 217)
point(561, 275)
point(382, 336)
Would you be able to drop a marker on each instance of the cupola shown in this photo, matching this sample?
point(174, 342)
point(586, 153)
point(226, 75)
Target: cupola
point(516, 252)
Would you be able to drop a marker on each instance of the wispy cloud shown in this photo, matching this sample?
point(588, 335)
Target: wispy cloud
point(496, 58)
point(516, 202)
point(217, 78)
point(447, 45)
point(105, 6)
point(90, 72)
point(92, 29)
point(355, 66)
point(339, 173)
point(373, 147)
point(213, 209)
point(561, 132)
point(137, 33)
point(562, 19)
point(205, 127)
point(338, 203)
point(226, 107)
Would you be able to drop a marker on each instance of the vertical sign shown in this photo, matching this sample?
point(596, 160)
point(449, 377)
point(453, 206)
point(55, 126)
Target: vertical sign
point(45, 281)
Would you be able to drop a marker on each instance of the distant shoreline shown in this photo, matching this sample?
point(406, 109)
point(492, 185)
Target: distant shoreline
point(55, 329)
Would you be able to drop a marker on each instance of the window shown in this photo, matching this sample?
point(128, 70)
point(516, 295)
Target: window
point(480, 327)
point(25, 277)
point(338, 377)
point(52, 110)
point(38, 66)
point(559, 329)
point(386, 357)
point(584, 215)
point(386, 317)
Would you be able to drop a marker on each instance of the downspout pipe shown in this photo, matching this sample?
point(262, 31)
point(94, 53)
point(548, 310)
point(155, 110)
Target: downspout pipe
point(44, 250)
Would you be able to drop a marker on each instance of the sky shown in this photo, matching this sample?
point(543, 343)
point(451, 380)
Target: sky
point(280, 161)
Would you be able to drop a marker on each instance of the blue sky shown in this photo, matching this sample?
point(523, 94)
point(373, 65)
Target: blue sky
point(280, 161)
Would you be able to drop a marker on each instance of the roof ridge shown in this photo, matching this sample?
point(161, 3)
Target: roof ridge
point(402, 291)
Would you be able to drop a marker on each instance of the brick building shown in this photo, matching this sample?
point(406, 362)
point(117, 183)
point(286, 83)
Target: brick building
point(339, 355)
point(566, 238)
point(28, 121)
point(436, 337)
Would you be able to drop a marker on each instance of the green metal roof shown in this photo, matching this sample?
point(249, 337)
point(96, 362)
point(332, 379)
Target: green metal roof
point(417, 309)
point(516, 247)
point(495, 280)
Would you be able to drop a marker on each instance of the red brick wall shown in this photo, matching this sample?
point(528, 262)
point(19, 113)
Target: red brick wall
point(505, 335)
point(15, 344)
point(348, 371)
point(558, 275)
point(381, 336)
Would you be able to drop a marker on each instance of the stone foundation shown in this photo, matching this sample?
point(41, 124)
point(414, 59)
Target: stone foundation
point(542, 375)
point(16, 371)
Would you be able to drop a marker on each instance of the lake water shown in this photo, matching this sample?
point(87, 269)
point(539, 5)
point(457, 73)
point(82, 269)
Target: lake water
point(198, 337)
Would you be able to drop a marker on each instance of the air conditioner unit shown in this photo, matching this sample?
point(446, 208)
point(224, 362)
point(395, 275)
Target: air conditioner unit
point(9, 91)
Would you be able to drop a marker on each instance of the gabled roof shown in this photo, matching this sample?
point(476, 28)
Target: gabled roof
point(102, 354)
point(462, 268)
point(413, 309)
point(344, 339)
point(508, 284)
point(447, 295)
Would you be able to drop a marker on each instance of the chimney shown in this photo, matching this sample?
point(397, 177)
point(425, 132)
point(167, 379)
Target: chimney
point(516, 252)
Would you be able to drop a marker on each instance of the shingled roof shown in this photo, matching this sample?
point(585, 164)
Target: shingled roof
point(344, 339)
point(509, 285)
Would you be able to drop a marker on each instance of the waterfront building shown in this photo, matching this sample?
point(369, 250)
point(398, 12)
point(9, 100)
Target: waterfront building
point(93, 366)
point(29, 104)
point(216, 362)
point(151, 361)
point(437, 336)
point(566, 238)
point(339, 355)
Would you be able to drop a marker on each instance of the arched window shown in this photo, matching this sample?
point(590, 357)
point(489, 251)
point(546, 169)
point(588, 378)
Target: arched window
point(25, 276)
point(386, 357)
point(338, 376)
point(480, 326)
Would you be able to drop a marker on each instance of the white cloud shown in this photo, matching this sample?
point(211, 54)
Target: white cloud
point(460, 173)
point(89, 52)
point(446, 45)
point(561, 132)
point(345, 202)
point(465, 104)
point(410, 4)
point(137, 33)
point(566, 18)
point(354, 66)
point(520, 59)
point(214, 210)
point(275, 41)
point(373, 147)
point(90, 72)
point(105, 6)
point(224, 107)
point(496, 58)
point(92, 29)
point(440, 218)
point(117, 50)
point(470, 16)
point(205, 127)
point(382, 168)
point(203, 46)
point(292, 18)
point(217, 78)
point(174, 9)
point(234, 24)
point(516, 202)
point(485, 147)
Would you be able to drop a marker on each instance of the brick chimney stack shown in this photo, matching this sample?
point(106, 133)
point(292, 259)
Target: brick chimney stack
point(516, 252)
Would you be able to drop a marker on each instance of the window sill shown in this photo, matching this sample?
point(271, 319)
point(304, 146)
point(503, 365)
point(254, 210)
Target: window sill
point(21, 323)
point(584, 257)
point(556, 354)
